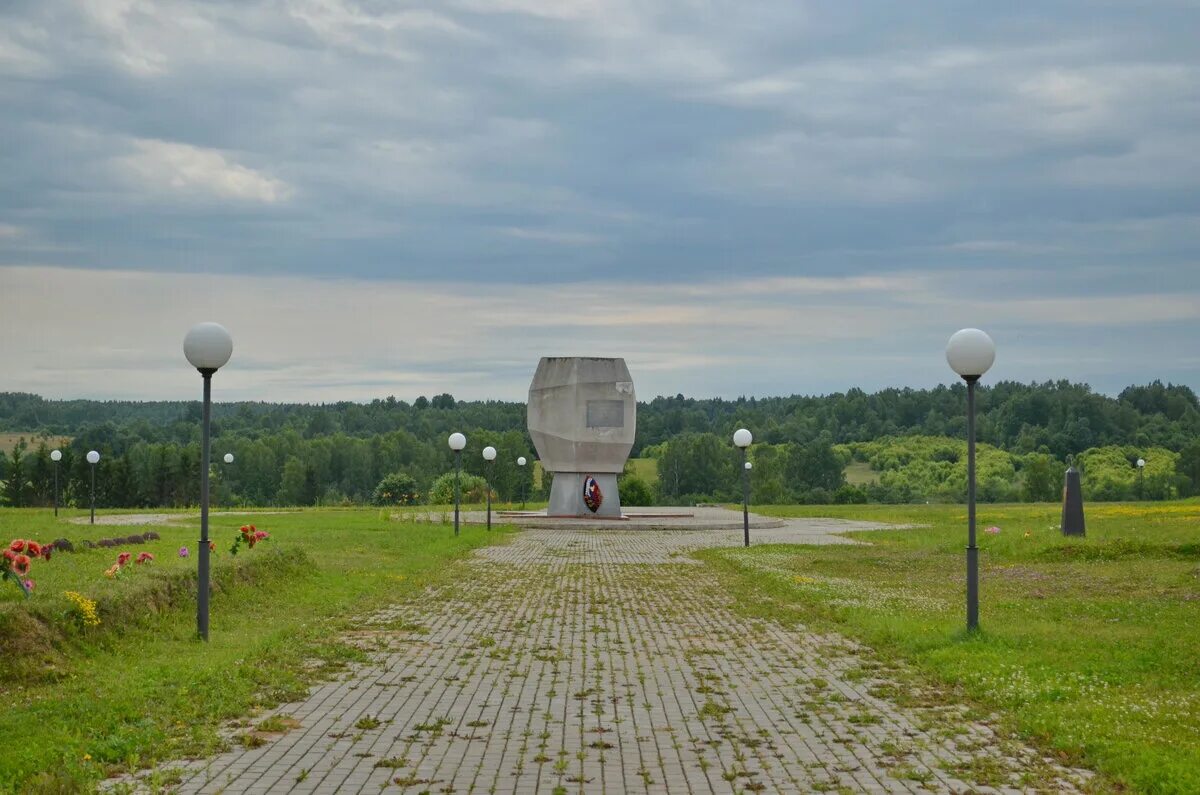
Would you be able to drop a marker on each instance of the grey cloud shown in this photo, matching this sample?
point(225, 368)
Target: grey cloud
point(1048, 148)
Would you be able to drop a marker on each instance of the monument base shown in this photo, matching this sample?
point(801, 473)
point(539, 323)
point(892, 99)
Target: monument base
point(567, 495)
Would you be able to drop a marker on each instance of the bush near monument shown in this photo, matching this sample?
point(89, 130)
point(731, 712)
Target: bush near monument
point(398, 488)
point(474, 489)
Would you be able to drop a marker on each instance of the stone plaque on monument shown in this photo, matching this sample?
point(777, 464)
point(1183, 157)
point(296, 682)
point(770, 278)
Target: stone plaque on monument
point(582, 417)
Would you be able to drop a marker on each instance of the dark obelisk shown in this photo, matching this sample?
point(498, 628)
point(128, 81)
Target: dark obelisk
point(1072, 512)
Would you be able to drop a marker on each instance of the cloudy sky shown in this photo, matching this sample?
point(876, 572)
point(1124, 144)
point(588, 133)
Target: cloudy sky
point(739, 198)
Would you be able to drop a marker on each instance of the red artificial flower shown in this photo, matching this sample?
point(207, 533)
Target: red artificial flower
point(252, 541)
point(21, 565)
point(9, 555)
point(212, 546)
point(123, 558)
point(245, 530)
point(46, 550)
point(33, 548)
point(17, 545)
point(144, 557)
point(253, 529)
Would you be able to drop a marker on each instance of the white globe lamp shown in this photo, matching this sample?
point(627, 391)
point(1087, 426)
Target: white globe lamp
point(970, 353)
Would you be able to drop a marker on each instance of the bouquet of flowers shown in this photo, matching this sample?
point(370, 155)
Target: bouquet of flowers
point(18, 559)
point(248, 535)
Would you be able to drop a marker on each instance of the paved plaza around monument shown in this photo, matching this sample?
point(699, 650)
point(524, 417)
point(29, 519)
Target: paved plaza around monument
point(590, 660)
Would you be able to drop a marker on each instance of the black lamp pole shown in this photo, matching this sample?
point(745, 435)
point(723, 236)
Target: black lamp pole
point(457, 468)
point(488, 487)
point(56, 488)
point(972, 550)
point(745, 500)
point(93, 467)
point(202, 595)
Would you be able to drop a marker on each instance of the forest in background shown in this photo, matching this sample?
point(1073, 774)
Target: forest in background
point(340, 453)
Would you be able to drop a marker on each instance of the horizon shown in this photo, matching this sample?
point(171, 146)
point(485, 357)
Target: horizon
point(983, 386)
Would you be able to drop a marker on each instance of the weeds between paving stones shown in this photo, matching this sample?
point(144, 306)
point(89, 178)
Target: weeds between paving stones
point(673, 690)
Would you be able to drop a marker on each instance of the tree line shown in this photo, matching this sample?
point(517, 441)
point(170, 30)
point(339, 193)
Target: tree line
point(304, 454)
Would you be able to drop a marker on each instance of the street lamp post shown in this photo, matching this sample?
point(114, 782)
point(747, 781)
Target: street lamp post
point(521, 463)
point(93, 458)
point(207, 347)
point(457, 443)
point(1141, 465)
point(489, 455)
point(742, 439)
point(56, 456)
point(970, 353)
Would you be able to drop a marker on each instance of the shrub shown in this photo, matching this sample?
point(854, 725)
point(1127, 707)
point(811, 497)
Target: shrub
point(474, 489)
point(398, 488)
point(849, 495)
point(635, 491)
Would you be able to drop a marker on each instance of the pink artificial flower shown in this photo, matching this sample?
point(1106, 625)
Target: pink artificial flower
point(183, 553)
point(259, 535)
point(29, 585)
point(993, 530)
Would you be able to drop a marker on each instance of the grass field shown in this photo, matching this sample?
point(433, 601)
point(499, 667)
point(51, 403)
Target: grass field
point(858, 473)
point(1091, 647)
point(139, 687)
point(10, 440)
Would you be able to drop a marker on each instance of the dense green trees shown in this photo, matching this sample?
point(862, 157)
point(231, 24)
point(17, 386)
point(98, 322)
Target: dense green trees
point(339, 452)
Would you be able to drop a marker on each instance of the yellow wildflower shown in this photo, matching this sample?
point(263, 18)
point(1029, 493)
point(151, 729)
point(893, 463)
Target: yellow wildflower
point(86, 608)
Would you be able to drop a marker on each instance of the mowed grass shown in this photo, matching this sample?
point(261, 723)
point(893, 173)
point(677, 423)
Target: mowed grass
point(140, 688)
point(1090, 647)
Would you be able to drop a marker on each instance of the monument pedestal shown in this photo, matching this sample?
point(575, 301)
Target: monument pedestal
point(567, 495)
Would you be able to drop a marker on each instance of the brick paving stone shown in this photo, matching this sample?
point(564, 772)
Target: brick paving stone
point(582, 660)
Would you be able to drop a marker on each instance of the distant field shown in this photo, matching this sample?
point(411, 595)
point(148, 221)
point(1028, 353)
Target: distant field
point(859, 473)
point(645, 468)
point(10, 440)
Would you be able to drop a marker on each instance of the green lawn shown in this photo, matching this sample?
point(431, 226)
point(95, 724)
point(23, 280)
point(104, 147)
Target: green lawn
point(140, 688)
point(1090, 647)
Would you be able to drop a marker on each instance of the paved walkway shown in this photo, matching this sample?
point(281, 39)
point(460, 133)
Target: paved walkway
point(603, 661)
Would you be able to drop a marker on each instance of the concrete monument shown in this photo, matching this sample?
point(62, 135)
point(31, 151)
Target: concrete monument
point(582, 419)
